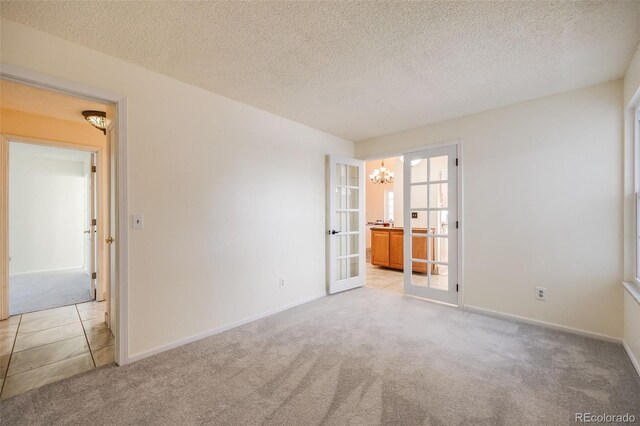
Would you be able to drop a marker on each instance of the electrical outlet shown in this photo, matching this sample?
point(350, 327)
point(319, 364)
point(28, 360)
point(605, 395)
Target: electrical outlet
point(281, 282)
point(414, 215)
point(541, 293)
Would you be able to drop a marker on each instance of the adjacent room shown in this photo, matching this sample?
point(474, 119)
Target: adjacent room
point(49, 222)
point(323, 213)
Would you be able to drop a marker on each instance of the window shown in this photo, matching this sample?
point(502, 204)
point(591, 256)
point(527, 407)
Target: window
point(637, 188)
point(388, 206)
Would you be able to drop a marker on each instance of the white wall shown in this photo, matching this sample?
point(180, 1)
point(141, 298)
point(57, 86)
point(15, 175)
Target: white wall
point(542, 205)
point(632, 78)
point(233, 197)
point(631, 99)
point(46, 213)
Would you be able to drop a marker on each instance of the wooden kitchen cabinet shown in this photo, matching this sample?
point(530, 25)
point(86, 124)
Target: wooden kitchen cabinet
point(396, 249)
point(387, 248)
point(419, 251)
point(379, 247)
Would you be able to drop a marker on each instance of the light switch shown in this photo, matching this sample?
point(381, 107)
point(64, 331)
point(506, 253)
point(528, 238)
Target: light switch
point(137, 221)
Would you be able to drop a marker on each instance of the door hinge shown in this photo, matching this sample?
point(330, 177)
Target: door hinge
point(94, 275)
point(456, 224)
point(94, 222)
point(94, 169)
point(456, 161)
point(456, 287)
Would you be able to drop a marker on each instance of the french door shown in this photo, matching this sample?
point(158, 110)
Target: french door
point(346, 238)
point(430, 224)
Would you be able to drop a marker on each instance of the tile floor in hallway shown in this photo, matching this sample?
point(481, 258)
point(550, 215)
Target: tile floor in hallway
point(41, 347)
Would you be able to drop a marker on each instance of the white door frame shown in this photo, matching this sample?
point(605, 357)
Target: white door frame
point(461, 222)
point(37, 79)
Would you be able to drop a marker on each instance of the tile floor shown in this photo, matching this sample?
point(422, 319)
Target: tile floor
point(384, 279)
point(41, 347)
point(392, 280)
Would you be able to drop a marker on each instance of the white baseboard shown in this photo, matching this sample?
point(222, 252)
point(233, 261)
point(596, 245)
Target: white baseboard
point(216, 330)
point(69, 268)
point(545, 324)
point(632, 357)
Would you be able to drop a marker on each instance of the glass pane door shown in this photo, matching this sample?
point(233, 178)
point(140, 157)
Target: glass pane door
point(346, 224)
point(430, 217)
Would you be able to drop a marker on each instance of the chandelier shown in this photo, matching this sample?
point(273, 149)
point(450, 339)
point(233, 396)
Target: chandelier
point(381, 175)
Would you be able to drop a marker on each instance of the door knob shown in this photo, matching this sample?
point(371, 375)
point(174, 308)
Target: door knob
point(109, 240)
point(87, 232)
point(333, 232)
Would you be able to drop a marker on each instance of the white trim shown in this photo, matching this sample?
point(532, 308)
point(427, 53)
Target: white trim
point(632, 357)
point(221, 329)
point(35, 78)
point(69, 268)
point(517, 318)
point(461, 222)
point(122, 248)
point(4, 228)
point(67, 87)
point(633, 289)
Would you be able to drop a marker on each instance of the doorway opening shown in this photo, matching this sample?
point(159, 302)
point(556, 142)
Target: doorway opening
point(412, 225)
point(52, 253)
point(57, 294)
point(384, 221)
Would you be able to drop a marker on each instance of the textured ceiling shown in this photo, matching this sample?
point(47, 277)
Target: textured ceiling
point(23, 98)
point(359, 69)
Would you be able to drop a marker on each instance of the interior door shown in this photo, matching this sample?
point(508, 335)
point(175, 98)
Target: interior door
point(430, 224)
point(91, 226)
point(346, 233)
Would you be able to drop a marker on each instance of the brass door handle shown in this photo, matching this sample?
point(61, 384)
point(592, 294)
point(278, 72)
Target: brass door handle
point(109, 240)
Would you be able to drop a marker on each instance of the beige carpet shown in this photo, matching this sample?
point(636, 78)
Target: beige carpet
point(36, 291)
point(363, 357)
